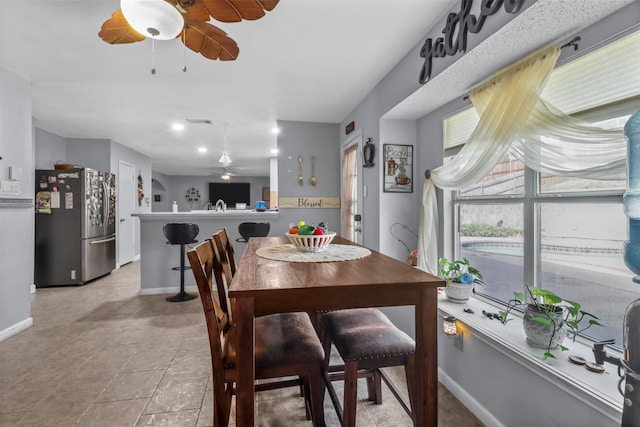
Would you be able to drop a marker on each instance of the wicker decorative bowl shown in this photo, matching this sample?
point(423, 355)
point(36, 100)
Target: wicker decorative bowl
point(309, 243)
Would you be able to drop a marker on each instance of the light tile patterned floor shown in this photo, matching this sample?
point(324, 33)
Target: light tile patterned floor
point(101, 355)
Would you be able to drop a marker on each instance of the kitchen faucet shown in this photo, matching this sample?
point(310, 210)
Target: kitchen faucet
point(221, 206)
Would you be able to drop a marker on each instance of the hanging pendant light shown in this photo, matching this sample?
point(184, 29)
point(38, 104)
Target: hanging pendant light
point(225, 159)
point(153, 18)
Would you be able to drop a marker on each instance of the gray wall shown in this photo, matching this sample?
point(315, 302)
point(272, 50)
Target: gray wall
point(16, 210)
point(142, 165)
point(400, 207)
point(176, 186)
point(160, 186)
point(307, 139)
point(89, 153)
point(381, 209)
point(50, 149)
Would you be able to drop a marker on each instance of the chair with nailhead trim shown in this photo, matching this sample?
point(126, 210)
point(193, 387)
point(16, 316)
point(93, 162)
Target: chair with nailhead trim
point(366, 341)
point(286, 344)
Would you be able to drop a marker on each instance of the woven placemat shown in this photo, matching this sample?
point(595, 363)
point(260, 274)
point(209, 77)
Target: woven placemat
point(332, 253)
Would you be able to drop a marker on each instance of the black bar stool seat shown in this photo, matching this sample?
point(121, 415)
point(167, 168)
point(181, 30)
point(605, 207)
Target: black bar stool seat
point(252, 229)
point(182, 234)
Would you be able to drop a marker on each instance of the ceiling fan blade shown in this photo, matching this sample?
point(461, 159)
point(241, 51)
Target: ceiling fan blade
point(211, 42)
point(193, 10)
point(116, 30)
point(237, 10)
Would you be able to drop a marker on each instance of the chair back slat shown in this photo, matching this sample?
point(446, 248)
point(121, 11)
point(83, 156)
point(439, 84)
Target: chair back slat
point(206, 266)
point(228, 247)
point(223, 271)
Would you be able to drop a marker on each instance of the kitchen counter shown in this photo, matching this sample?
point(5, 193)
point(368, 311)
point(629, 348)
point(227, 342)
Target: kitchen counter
point(248, 214)
point(157, 258)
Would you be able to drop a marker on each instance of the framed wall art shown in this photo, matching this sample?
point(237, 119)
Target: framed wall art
point(397, 170)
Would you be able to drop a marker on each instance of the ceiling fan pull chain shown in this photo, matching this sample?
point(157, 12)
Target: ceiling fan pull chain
point(184, 50)
point(153, 56)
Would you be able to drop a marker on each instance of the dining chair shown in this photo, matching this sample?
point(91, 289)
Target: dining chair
point(223, 244)
point(286, 344)
point(367, 341)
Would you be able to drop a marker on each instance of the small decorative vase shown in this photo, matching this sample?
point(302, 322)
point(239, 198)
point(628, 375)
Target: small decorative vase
point(540, 335)
point(458, 292)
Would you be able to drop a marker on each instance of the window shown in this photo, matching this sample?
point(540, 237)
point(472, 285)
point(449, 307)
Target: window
point(519, 227)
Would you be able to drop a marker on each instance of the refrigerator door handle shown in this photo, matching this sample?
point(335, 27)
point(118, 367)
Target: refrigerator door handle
point(96, 242)
point(105, 204)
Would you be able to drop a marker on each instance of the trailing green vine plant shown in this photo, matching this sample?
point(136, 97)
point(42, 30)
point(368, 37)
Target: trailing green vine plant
point(459, 271)
point(547, 303)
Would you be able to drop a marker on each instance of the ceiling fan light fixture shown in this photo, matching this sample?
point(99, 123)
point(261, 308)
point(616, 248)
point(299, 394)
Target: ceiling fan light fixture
point(224, 159)
point(225, 176)
point(153, 18)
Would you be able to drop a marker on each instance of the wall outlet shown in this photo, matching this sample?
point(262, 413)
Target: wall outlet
point(73, 275)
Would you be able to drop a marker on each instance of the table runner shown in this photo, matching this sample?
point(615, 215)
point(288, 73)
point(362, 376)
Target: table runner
point(332, 253)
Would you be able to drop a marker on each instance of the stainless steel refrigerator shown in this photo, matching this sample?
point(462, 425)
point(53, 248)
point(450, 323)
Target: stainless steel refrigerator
point(75, 226)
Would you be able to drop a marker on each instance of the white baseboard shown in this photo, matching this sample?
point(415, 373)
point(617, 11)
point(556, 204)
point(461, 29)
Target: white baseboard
point(136, 258)
point(170, 290)
point(14, 329)
point(467, 400)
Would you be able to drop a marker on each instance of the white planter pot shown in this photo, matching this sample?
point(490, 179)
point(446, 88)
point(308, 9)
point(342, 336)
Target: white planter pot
point(458, 293)
point(539, 334)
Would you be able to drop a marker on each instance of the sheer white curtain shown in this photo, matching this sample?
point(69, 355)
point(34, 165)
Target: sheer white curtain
point(514, 118)
point(349, 168)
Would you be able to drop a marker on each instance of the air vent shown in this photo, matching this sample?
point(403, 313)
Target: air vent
point(199, 121)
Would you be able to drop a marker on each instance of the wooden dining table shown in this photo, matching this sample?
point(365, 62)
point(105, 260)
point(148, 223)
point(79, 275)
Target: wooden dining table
point(264, 286)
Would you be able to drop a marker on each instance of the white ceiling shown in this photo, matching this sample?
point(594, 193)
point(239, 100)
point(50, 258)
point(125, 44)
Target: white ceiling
point(307, 60)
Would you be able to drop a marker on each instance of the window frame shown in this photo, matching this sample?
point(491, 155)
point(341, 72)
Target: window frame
point(532, 198)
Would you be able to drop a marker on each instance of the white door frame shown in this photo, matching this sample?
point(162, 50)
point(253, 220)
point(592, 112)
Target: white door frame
point(355, 139)
point(125, 224)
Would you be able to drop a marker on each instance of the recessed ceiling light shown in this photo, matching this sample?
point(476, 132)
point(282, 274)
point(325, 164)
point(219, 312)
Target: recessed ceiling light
point(275, 131)
point(177, 126)
point(274, 151)
point(202, 150)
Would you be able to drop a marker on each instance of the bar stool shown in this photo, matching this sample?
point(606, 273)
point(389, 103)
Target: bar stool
point(181, 234)
point(252, 229)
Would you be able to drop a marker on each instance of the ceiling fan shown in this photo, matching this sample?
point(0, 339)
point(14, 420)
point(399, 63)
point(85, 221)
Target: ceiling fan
point(187, 19)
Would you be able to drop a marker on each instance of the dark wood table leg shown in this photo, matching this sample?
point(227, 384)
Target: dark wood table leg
point(426, 396)
point(246, 362)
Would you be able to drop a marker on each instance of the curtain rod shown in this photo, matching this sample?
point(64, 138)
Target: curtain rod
point(571, 43)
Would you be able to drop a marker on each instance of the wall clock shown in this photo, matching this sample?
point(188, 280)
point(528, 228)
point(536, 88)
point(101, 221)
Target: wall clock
point(368, 153)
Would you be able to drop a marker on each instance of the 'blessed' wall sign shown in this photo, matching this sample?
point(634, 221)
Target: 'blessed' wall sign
point(309, 202)
point(456, 30)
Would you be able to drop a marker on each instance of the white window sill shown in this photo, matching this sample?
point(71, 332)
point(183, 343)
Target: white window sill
point(597, 390)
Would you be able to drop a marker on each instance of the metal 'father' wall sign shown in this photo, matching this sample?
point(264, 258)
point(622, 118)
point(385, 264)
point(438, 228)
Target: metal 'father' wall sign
point(457, 28)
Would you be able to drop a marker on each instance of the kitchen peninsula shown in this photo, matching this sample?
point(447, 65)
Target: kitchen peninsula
point(157, 258)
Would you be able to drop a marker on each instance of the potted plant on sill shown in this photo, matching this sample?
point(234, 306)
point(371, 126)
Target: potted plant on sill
point(549, 318)
point(460, 278)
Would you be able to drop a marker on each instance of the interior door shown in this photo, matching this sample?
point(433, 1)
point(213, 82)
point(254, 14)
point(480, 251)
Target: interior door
point(127, 195)
point(351, 189)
